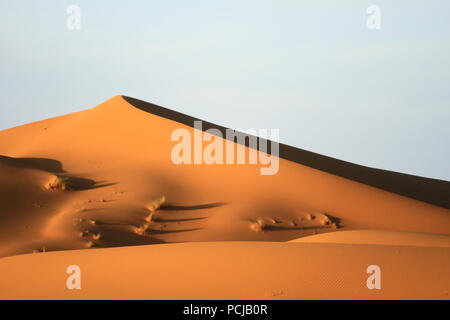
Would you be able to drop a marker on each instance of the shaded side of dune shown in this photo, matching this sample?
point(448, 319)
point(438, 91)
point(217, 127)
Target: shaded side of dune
point(433, 191)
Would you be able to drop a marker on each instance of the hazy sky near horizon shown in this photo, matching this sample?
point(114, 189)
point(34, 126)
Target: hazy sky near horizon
point(312, 69)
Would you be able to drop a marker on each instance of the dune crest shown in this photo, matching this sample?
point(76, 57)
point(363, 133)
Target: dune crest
point(378, 237)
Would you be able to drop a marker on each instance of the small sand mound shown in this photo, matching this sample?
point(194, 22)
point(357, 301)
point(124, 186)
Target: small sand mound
point(60, 183)
point(142, 229)
point(152, 217)
point(97, 236)
point(258, 226)
point(70, 183)
point(320, 220)
point(157, 204)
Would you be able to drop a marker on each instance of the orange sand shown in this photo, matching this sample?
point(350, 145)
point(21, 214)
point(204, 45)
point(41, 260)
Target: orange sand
point(121, 158)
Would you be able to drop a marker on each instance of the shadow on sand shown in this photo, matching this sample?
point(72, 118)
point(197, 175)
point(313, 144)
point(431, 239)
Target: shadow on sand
point(170, 207)
point(80, 184)
point(48, 165)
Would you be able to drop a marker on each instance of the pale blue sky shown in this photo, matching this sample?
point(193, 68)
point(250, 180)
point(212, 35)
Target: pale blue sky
point(380, 98)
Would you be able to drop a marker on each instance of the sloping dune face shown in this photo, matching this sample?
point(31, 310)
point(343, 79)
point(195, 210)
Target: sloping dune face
point(376, 237)
point(119, 159)
point(231, 270)
point(105, 177)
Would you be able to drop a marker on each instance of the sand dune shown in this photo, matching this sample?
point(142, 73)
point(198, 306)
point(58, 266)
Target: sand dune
point(425, 189)
point(376, 237)
point(88, 180)
point(231, 270)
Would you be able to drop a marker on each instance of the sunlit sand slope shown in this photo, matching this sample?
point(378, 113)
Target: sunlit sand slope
point(118, 156)
point(231, 270)
point(377, 237)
